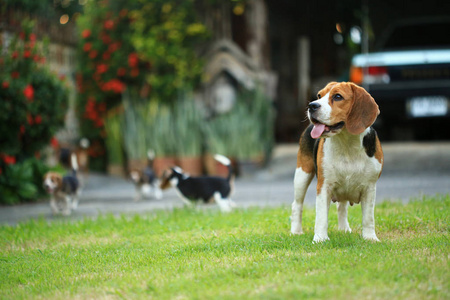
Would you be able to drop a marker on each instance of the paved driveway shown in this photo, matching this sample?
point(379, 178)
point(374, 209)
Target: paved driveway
point(411, 170)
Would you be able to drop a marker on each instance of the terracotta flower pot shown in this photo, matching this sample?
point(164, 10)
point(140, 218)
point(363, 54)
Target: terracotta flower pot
point(116, 170)
point(191, 165)
point(138, 164)
point(215, 168)
point(162, 163)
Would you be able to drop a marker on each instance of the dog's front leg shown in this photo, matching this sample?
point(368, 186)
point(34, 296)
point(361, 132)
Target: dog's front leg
point(368, 219)
point(342, 208)
point(53, 205)
point(138, 196)
point(301, 183)
point(75, 199)
point(67, 206)
point(322, 207)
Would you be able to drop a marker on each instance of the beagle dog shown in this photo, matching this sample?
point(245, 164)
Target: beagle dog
point(63, 190)
point(202, 188)
point(344, 151)
point(145, 180)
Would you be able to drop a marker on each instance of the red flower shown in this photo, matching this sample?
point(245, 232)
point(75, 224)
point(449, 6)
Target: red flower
point(109, 24)
point(93, 54)
point(38, 119)
point(15, 55)
point(8, 159)
point(114, 47)
point(32, 37)
point(86, 33)
point(121, 72)
point(27, 54)
point(15, 75)
point(114, 85)
point(123, 13)
point(54, 142)
point(102, 107)
point(99, 123)
point(36, 58)
point(5, 84)
point(106, 56)
point(132, 60)
point(28, 92)
point(87, 47)
point(30, 119)
point(22, 129)
point(102, 68)
point(106, 39)
point(134, 72)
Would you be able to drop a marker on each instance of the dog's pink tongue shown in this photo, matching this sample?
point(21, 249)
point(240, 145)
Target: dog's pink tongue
point(317, 130)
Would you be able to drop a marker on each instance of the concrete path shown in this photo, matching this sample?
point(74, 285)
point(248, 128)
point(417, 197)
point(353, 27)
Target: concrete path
point(411, 170)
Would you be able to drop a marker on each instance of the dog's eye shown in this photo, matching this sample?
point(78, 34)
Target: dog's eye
point(338, 97)
point(318, 96)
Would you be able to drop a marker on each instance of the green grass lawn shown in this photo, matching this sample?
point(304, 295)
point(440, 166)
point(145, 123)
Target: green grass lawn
point(246, 254)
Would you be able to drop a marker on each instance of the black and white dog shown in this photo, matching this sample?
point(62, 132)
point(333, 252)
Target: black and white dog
point(202, 188)
point(145, 180)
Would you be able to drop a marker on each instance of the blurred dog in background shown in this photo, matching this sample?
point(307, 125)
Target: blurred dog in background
point(202, 188)
point(145, 180)
point(63, 190)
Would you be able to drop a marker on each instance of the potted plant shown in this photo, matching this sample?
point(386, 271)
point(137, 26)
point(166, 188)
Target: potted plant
point(187, 124)
point(114, 143)
point(245, 133)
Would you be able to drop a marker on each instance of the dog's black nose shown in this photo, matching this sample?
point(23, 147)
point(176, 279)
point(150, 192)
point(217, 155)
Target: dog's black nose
point(313, 106)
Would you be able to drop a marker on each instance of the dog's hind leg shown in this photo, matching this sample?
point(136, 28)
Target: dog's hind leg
point(67, 206)
point(157, 191)
point(301, 183)
point(224, 203)
point(368, 219)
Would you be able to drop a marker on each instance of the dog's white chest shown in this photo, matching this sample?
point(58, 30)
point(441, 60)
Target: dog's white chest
point(349, 173)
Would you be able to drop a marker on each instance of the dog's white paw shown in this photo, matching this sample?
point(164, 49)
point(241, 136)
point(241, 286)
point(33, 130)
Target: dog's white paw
point(371, 238)
point(345, 229)
point(296, 228)
point(320, 238)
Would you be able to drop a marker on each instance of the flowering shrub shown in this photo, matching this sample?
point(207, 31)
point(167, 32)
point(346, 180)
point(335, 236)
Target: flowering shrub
point(33, 104)
point(146, 48)
point(108, 63)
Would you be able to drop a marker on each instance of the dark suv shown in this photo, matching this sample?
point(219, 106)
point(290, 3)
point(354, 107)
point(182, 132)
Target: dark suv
point(409, 77)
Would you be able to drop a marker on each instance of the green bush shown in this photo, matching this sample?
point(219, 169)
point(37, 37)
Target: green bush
point(33, 102)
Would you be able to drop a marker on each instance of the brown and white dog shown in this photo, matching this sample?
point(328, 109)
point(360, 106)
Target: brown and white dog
point(64, 190)
point(343, 150)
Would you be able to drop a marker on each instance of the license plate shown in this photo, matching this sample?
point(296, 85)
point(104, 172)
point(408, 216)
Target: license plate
point(429, 106)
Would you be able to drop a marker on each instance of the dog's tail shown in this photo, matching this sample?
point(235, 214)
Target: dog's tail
point(150, 157)
point(74, 163)
point(226, 162)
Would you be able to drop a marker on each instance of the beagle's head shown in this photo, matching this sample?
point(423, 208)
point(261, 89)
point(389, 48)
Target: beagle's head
point(171, 177)
point(135, 176)
point(52, 182)
point(342, 106)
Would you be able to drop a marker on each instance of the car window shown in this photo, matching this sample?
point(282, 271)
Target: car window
point(419, 36)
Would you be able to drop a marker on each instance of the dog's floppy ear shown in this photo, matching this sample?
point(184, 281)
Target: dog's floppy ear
point(364, 111)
